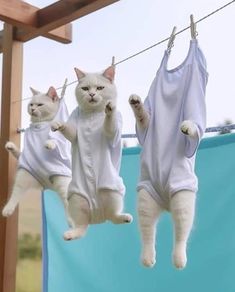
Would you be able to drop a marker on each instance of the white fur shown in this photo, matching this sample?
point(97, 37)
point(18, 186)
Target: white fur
point(42, 107)
point(182, 206)
point(189, 128)
point(112, 206)
point(142, 117)
point(95, 92)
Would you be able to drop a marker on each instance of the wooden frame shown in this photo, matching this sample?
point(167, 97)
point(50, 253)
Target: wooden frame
point(24, 22)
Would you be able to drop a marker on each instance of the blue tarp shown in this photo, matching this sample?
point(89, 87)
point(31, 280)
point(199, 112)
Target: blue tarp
point(107, 259)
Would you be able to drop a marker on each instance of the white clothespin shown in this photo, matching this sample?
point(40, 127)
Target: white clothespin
point(193, 27)
point(170, 44)
point(64, 88)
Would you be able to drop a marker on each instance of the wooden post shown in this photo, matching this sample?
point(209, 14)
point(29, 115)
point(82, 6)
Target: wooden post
point(10, 119)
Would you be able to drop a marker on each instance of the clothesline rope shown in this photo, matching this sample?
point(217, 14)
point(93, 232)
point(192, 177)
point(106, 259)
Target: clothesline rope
point(148, 48)
point(226, 128)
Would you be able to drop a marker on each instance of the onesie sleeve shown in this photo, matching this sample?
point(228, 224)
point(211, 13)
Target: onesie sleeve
point(195, 106)
point(118, 135)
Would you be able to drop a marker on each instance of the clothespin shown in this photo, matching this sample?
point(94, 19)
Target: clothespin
point(113, 61)
point(64, 88)
point(193, 27)
point(170, 44)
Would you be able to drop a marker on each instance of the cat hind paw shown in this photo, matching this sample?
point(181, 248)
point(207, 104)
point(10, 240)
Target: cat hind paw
point(75, 233)
point(148, 257)
point(180, 260)
point(10, 146)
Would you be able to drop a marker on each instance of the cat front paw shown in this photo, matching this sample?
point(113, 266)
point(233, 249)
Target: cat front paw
point(134, 100)
point(189, 128)
point(10, 146)
point(8, 210)
point(57, 126)
point(109, 108)
point(50, 145)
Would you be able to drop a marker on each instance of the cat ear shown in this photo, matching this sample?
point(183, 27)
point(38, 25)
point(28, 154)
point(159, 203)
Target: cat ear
point(34, 92)
point(109, 73)
point(52, 94)
point(79, 73)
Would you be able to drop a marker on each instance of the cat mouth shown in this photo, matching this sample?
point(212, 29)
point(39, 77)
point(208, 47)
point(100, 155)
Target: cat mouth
point(92, 101)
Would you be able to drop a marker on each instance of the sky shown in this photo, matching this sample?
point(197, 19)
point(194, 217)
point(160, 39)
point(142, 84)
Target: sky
point(129, 26)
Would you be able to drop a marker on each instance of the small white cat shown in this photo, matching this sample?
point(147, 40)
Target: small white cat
point(94, 129)
point(38, 167)
point(181, 204)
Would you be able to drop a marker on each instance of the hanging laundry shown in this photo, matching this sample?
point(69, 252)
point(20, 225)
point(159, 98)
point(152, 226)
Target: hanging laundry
point(170, 125)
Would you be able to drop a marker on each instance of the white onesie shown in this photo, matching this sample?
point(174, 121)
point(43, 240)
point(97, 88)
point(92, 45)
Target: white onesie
point(95, 159)
point(41, 162)
point(168, 156)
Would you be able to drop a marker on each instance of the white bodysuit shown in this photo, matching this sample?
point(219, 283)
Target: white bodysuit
point(41, 162)
point(95, 159)
point(168, 156)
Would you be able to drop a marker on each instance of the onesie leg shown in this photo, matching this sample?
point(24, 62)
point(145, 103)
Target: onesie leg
point(113, 205)
point(60, 185)
point(23, 182)
point(148, 214)
point(182, 207)
point(79, 210)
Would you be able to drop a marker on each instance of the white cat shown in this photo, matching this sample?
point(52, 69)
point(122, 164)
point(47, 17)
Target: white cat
point(42, 165)
point(94, 129)
point(181, 204)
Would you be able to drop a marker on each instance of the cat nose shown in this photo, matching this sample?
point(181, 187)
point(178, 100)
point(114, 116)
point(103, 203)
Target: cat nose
point(92, 94)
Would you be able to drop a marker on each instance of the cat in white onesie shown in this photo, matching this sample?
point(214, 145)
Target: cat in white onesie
point(96, 191)
point(169, 127)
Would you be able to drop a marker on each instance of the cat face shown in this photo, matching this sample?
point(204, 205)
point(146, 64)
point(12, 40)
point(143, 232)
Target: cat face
point(43, 107)
point(95, 90)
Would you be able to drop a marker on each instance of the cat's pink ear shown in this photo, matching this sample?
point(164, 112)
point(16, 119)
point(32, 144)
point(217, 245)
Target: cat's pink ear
point(34, 91)
point(79, 73)
point(52, 94)
point(109, 73)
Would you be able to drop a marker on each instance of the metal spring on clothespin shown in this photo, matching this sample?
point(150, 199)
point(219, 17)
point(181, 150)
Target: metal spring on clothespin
point(194, 33)
point(170, 44)
point(64, 88)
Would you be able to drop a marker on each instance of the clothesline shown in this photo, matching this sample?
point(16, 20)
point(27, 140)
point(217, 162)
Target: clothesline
point(150, 47)
point(225, 129)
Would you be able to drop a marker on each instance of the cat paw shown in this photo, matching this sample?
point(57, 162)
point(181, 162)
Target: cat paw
point(8, 210)
point(189, 128)
point(109, 108)
point(134, 100)
point(122, 218)
point(10, 146)
point(57, 126)
point(179, 259)
point(148, 257)
point(50, 145)
point(75, 233)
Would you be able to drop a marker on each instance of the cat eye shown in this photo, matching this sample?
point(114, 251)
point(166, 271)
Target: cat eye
point(85, 88)
point(40, 104)
point(100, 87)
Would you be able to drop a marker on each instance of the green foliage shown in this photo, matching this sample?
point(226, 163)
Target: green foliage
point(29, 246)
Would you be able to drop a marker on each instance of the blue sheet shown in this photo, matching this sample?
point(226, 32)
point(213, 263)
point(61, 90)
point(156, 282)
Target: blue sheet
point(107, 259)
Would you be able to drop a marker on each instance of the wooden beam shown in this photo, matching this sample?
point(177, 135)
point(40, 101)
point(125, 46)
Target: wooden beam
point(60, 13)
point(10, 120)
point(25, 17)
